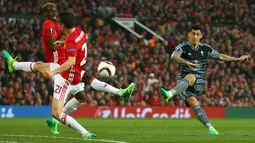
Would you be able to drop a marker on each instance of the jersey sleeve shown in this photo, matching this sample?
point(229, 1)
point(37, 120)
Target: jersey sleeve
point(213, 54)
point(50, 30)
point(71, 49)
point(179, 48)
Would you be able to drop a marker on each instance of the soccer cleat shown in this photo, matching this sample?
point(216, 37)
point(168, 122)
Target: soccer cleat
point(53, 124)
point(89, 136)
point(127, 92)
point(166, 95)
point(212, 131)
point(9, 60)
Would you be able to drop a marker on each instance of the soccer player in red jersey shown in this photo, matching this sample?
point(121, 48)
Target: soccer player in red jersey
point(68, 75)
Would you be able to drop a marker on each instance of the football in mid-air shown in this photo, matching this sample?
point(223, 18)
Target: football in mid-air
point(106, 69)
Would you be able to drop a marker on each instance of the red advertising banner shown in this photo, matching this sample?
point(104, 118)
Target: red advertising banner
point(145, 112)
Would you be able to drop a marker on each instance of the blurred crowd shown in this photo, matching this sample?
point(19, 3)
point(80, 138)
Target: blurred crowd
point(229, 27)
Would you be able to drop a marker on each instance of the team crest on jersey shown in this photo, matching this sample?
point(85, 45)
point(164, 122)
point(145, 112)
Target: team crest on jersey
point(51, 30)
point(202, 53)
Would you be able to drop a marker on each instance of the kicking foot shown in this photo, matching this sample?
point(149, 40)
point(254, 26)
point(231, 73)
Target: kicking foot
point(166, 95)
point(9, 60)
point(127, 92)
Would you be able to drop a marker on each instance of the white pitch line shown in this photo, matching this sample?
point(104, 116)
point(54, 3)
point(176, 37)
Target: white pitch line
point(54, 137)
point(13, 142)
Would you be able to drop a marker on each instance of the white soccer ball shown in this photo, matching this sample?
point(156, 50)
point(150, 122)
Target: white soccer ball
point(106, 70)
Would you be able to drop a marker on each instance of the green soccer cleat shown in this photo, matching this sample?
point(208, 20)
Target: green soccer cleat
point(53, 124)
point(89, 136)
point(165, 95)
point(9, 60)
point(127, 92)
point(212, 131)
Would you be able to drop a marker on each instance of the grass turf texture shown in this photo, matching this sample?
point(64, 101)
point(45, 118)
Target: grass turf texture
point(35, 130)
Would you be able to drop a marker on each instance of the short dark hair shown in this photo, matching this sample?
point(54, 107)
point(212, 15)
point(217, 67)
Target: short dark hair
point(68, 19)
point(197, 27)
point(45, 7)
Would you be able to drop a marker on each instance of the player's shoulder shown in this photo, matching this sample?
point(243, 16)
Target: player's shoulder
point(77, 35)
point(49, 22)
point(182, 45)
point(205, 45)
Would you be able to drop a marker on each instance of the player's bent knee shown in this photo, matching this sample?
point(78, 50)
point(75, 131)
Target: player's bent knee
point(86, 78)
point(191, 78)
point(192, 101)
point(81, 96)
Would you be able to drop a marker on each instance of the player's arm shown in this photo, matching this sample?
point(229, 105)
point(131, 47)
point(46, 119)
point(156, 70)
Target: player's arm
point(224, 57)
point(67, 65)
point(50, 42)
point(71, 53)
point(176, 57)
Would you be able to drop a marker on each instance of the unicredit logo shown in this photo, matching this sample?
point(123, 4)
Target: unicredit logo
point(103, 112)
point(130, 112)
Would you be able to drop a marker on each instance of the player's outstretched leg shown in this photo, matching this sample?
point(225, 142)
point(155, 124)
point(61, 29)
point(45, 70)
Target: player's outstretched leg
point(53, 124)
point(9, 60)
point(14, 65)
point(102, 86)
point(181, 86)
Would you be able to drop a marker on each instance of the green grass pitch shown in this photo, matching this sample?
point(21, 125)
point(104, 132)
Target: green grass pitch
point(35, 130)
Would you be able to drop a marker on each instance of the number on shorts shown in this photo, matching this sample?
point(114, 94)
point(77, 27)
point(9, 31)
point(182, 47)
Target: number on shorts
point(84, 48)
point(58, 89)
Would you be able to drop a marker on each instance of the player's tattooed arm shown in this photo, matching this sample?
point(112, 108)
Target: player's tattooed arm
point(176, 57)
point(223, 57)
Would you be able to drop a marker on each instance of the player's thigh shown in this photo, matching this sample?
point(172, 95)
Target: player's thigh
point(78, 92)
point(61, 89)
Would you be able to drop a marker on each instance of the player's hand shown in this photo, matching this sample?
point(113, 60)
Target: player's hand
point(58, 43)
point(192, 65)
point(244, 58)
point(48, 74)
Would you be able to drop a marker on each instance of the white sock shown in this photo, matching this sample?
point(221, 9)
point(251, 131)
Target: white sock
point(72, 106)
point(24, 66)
point(72, 123)
point(102, 86)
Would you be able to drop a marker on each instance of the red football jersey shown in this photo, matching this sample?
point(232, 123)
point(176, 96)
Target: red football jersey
point(75, 46)
point(52, 29)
